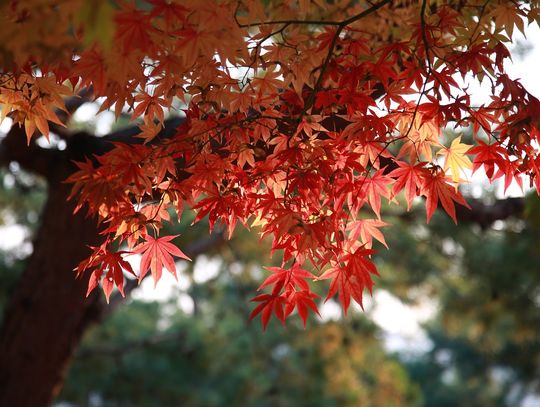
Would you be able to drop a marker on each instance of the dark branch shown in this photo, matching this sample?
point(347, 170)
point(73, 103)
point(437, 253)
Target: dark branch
point(127, 135)
point(486, 214)
point(481, 213)
point(343, 23)
point(33, 158)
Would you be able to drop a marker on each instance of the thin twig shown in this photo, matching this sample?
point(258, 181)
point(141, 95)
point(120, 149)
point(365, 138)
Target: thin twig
point(326, 63)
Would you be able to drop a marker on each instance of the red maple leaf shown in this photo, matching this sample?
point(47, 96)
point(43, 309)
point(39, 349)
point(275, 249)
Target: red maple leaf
point(410, 178)
point(134, 29)
point(268, 303)
point(112, 264)
point(489, 155)
point(158, 253)
point(437, 188)
point(350, 277)
point(373, 188)
point(295, 276)
point(301, 300)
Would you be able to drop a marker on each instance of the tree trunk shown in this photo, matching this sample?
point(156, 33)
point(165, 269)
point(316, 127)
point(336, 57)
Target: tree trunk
point(48, 312)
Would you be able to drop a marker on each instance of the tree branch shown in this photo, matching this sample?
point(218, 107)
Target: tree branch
point(33, 158)
point(486, 214)
point(341, 26)
point(127, 135)
point(481, 213)
point(343, 23)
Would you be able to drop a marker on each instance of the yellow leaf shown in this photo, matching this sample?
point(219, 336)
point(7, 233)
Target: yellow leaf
point(258, 221)
point(455, 158)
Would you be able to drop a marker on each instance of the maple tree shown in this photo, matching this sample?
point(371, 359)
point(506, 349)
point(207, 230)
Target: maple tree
point(300, 119)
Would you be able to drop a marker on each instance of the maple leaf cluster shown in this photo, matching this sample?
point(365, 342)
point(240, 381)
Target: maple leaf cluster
point(300, 119)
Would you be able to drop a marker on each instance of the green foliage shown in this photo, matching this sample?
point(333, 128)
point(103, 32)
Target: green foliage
point(486, 282)
point(144, 355)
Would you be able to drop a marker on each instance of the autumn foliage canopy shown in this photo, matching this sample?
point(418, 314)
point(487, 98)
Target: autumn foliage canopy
point(301, 118)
